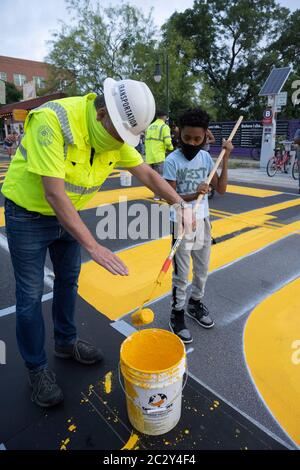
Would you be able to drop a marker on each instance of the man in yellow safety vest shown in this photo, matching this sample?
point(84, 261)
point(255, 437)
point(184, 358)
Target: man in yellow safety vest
point(69, 149)
point(157, 141)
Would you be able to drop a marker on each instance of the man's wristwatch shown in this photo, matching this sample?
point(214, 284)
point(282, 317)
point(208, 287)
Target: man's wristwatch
point(181, 204)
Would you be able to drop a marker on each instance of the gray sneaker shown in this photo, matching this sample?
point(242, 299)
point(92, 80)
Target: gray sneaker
point(81, 351)
point(178, 326)
point(199, 312)
point(45, 391)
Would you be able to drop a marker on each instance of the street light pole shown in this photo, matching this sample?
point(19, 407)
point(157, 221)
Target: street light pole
point(157, 78)
point(167, 82)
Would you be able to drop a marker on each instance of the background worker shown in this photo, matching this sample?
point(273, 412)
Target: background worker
point(157, 142)
point(69, 149)
point(186, 170)
point(297, 142)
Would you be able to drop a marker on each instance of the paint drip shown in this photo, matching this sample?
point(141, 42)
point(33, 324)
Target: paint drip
point(131, 443)
point(107, 382)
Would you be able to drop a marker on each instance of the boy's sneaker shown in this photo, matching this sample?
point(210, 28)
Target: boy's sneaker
point(197, 310)
point(45, 391)
point(178, 326)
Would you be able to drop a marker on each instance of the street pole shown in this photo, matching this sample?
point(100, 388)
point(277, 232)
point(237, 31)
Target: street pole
point(167, 82)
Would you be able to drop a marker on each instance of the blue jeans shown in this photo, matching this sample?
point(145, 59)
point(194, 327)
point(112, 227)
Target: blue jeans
point(29, 235)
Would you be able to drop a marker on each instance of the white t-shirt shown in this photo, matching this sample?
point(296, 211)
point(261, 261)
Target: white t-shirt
point(188, 175)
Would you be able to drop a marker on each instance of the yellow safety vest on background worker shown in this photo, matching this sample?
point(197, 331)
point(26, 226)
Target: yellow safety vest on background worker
point(157, 141)
point(60, 127)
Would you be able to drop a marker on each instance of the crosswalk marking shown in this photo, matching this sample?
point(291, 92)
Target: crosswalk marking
point(115, 296)
point(249, 191)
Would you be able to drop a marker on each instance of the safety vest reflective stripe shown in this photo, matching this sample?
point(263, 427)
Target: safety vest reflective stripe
point(23, 151)
point(62, 116)
point(161, 131)
point(73, 188)
point(159, 138)
point(153, 138)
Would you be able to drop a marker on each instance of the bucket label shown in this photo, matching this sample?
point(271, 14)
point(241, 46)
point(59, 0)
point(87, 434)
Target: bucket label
point(159, 409)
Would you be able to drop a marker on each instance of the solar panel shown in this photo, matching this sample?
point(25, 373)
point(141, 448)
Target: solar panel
point(275, 81)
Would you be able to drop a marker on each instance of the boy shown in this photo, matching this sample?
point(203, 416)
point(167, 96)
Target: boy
point(186, 170)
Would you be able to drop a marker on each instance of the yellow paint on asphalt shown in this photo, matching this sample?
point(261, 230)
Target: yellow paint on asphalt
point(248, 191)
point(114, 296)
point(2, 221)
point(271, 340)
point(112, 196)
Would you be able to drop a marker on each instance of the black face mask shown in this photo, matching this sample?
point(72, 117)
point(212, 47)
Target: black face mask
point(190, 151)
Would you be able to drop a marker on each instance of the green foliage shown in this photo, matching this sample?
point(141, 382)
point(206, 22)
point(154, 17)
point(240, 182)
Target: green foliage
point(219, 53)
point(228, 42)
point(100, 43)
point(13, 95)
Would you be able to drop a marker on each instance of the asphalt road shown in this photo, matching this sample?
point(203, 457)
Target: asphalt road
point(255, 256)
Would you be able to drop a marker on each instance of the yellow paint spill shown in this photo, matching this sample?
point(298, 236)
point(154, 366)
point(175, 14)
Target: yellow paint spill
point(152, 350)
point(64, 444)
point(131, 443)
point(91, 389)
point(107, 382)
point(72, 428)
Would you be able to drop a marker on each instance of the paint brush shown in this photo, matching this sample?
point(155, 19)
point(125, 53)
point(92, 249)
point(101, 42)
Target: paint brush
point(145, 316)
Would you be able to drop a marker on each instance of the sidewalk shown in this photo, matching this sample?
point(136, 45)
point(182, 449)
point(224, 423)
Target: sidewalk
point(259, 176)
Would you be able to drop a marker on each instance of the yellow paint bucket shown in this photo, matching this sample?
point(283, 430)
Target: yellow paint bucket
point(153, 363)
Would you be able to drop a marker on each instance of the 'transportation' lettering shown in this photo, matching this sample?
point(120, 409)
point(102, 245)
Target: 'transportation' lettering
point(126, 106)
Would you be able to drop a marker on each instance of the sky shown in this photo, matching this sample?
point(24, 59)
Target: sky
point(26, 25)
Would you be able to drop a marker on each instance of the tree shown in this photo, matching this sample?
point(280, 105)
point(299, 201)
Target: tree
point(227, 43)
point(13, 95)
point(100, 43)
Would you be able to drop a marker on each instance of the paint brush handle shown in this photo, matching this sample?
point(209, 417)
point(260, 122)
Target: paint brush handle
point(218, 161)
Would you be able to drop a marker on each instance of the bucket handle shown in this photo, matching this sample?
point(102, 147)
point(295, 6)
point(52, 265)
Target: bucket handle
point(164, 408)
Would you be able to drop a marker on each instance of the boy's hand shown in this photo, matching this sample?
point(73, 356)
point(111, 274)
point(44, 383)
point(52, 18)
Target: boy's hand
point(203, 188)
point(228, 146)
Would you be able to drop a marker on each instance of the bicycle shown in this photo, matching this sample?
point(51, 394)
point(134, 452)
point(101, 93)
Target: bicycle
point(295, 170)
point(281, 159)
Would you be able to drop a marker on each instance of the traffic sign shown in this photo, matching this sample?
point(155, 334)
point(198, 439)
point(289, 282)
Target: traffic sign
point(267, 116)
point(281, 98)
point(20, 114)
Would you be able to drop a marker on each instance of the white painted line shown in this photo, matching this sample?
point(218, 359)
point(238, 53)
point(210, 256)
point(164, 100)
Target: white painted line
point(189, 350)
point(123, 327)
point(245, 415)
point(2, 447)
point(260, 298)
point(12, 309)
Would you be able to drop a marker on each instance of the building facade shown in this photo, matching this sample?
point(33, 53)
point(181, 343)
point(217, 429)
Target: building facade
point(20, 71)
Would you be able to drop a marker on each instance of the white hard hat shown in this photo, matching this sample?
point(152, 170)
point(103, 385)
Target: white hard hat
point(131, 107)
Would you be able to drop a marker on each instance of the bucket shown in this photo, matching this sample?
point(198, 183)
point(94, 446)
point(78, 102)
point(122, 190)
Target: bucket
point(153, 363)
point(125, 178)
